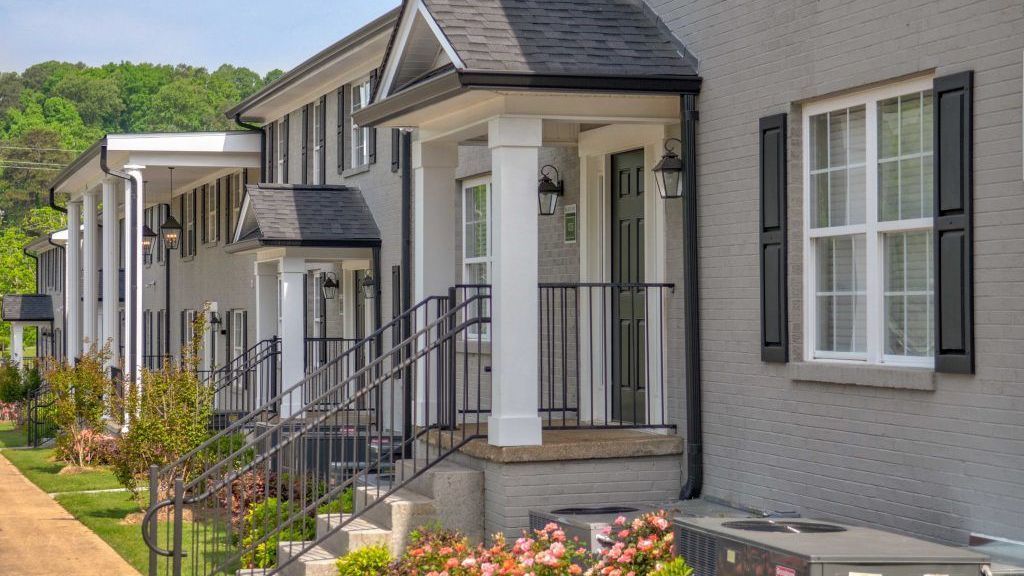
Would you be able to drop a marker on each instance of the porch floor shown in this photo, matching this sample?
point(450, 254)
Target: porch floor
point(571, 444)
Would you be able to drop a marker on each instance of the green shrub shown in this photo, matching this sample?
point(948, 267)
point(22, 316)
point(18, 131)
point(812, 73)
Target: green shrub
point(369, 561)
point(80, 396)
point(168, 416)
point(341, 505)
point(263, 518)
point(677, 567)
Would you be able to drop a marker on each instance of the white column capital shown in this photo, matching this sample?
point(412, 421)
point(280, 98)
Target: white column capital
point(434, 154)
point(515, 131)
point(292, 265)
point(134, 167)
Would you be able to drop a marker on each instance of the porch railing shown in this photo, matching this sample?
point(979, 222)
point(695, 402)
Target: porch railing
point(320, 350)
point(602, 352)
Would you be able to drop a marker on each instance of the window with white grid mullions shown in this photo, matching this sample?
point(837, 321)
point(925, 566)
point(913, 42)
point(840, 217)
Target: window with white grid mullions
point(868, 234)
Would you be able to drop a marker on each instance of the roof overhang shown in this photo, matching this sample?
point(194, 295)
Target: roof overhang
point(351, 57)
point(194, 155)
point(454, 83)
point(27, 308)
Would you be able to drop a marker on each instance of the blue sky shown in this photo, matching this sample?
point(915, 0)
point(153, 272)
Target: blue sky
point(259, 34)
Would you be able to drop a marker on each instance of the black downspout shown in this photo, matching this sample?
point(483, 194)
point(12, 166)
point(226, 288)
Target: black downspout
point(263, 143)
point(167, 292)
point(130, 240)
point(36, 258)
point(62, 210)
point(407, 247)
point(377, 314)
point(694, 427)
point(53, 202)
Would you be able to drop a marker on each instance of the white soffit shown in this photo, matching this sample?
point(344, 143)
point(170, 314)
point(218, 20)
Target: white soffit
point(420, 47)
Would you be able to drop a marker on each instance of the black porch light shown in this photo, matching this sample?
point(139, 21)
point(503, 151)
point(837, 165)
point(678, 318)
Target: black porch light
point(549, 190)
point(330, 286)
point(171, 231)
point(668, 173)
point(215, 319)
point(369, 287)
point(148, 236)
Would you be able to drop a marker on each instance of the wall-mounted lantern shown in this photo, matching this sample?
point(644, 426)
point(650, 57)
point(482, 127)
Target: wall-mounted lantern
point(668, 173)
point(330, 286)
point(171, 231)
point(215, 319)
point(369, 287)
point(549, 190)
point(148, 237)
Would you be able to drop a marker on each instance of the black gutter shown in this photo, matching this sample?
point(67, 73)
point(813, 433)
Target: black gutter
point(407, 247)
point(53, 201)
point(263, 142)
point(691, 294)
point(582, 82)
point(130, 241)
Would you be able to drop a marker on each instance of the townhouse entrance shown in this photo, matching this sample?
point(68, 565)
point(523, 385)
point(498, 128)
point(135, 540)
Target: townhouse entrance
point(627, 270)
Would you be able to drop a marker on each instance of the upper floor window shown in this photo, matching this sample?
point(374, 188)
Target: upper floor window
point(360, 135)
point(188, 224)
point(211, 212)
point(868, 239)
point(318, 140)
point(236, 191)
point(282, 151)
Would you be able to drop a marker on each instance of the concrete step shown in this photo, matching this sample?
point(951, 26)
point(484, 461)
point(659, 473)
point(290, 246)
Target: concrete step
point(316, 562)
point(402, 512)
point(357, 534)
point(457, 491)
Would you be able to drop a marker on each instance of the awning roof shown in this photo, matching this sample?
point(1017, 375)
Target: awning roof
point(27, 308)
point(304, 215)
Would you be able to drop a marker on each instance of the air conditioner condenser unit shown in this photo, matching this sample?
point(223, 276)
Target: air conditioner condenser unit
point(586, 524)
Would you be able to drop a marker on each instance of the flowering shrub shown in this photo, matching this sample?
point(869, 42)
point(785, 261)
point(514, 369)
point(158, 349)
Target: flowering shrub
point(677, 567)
point(638, 547)
point(441, 553)
point(92, 449)
point(80, 394)
point(9, 412)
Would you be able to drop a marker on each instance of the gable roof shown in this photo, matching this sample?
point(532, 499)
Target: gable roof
point(304, 215)
point(580, 37)
point(27, 308)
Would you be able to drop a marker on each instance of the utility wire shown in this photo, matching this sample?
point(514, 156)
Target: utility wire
point(5, 147)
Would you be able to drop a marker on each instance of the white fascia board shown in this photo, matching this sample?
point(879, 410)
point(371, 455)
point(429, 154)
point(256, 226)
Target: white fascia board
point(417, 9)
point(240, 142)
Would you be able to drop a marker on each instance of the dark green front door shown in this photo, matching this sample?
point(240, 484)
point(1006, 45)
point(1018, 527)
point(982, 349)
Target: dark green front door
point(628, 304)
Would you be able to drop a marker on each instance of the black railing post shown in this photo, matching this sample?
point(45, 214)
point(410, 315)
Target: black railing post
point(449, 398)
point(179, 518)
point(154, 497)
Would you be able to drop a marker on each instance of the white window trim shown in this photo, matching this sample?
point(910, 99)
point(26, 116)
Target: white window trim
point(361, 157)
point(279, 149)
point(189, 224)
point(489, 258)
point(210, 209)
point(872, 229)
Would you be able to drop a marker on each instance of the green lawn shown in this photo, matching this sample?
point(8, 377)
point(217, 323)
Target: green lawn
point(10, 436)
point(39, 467)
point(103, 514)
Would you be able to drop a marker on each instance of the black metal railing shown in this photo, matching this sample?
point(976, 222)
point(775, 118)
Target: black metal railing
point(602, 353)
point(245, 381)
point(39, 422)
point(320, 350)
point(339, 431)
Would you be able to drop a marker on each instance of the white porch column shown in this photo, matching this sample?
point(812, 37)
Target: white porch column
point(90, 272)
point(292, 331)
point(18, 343)
point(433, 166)
point(111, 267)
point(514, 144)
point(266, 317)
point(73, 275)
point(133, 272)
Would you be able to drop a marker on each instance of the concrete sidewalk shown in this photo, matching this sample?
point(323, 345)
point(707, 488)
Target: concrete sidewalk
point(38, 537)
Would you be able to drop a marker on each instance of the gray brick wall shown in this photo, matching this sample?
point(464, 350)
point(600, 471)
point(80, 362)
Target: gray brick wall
point(941, 462)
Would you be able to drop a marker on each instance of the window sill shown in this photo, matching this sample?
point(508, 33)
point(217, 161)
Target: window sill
point(849, 374)
point(355, 171)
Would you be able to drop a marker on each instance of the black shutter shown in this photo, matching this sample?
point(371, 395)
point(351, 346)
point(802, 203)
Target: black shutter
point(206, 190)
point(286, 128)
point(227, 340)
point(372, 132)
point(183, 240)
point(227, 202)
point(245, 329)
point(218, 209)
point(321, 139)
point(342, 115)
point(305, 144)
point(396, 149)
point(774, 333)
point(268, 169)
point(954, 183)
point(182, 338)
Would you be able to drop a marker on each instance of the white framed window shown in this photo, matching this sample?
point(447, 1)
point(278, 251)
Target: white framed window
point(211, 193)
point(476, 233)
point(360, 135)
point(237, 332)
point(188, 224)
point(318, 142)
point(282, 151)
point(868, 245)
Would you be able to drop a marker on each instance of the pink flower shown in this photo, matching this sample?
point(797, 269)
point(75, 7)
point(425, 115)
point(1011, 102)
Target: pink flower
point(620, 521)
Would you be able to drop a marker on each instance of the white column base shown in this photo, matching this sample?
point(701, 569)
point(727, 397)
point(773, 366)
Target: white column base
point(514, 431)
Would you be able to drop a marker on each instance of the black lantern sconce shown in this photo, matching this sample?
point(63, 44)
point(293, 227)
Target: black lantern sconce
point(549, 190)
point(148, 237)
point(369, 287)
point(215, 319)
point(668, 173)
point(171, 232)
point(329, 288)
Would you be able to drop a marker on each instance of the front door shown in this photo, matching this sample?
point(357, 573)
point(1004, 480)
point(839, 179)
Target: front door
point(628, 310)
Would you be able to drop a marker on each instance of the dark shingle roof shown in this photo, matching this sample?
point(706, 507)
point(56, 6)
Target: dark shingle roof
point(580, 37)
point(27, 308)
point(310, 216)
